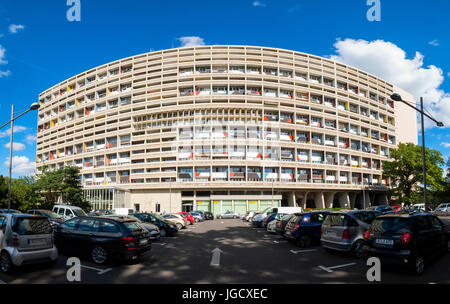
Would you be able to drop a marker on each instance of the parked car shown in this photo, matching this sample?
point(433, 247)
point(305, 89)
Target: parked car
point(68, 212)
point(177, 219)
point(103, 238)
point(152, 229)
point(54, 218)
point(198, 217)
point(95, 213)
point(411, 240)
point(257, 220)
point(209, 215)
point(25, 239)
point(280, 224)
point(188, 217)
point(443, 207)
point(272, 217)
point(122, 211)
point(383, 209)
point(249, 215)
point(344, 230)
point(166, 228)
point(9, 211)
point(272, 226)
point(304, 228)
point(228, 215)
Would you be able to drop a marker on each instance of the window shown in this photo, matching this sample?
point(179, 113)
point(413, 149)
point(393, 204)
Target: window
point(61, 211)
point(69, 212)
point(435, 223)
point(2, 222)
point(31, 226)
point(108, 227)
point(70, 224)
point(421, 223)
point(85, 225)
point(317, 218)
point(158, 207)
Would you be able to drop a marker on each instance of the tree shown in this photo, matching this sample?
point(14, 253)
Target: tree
point(406, 172)
point(72, 192)
point(62, 183)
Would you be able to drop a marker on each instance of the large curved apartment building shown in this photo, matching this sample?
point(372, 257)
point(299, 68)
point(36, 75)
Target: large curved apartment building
point(224, 128)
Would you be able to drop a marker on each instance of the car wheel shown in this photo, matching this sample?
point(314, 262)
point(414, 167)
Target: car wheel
point(357, 249)
point(99, 255)
point(418, 265)
point(6, 265)
point(303, 241)
point(163, 232)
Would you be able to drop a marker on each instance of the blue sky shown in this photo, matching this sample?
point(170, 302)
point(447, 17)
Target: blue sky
point(43, 48)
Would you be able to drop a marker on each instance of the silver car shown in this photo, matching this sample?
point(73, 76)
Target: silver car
point(344, 230)
point(228, 215)
point(25, 239)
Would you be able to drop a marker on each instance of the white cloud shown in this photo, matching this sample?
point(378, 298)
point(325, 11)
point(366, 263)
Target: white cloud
point(191, 41)
point(434, 43)
point(30, 139)
point(17, 146)
point(446, 144)
point(388, 61)
point(14, 28)
point(21, 165)
point(2, 55)
point(7, 132)
point(257, 3)
point(5, 73)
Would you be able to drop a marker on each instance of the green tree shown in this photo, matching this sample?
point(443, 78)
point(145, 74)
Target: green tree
point(72, 192)
point(405, 170)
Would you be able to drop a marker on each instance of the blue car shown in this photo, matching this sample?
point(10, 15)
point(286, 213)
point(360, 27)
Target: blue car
point(272, 217)
point(304, 228)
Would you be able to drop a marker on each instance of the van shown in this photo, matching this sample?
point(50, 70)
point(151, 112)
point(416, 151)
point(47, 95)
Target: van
point(123, 211)
point(68, 212)
point(258, 219)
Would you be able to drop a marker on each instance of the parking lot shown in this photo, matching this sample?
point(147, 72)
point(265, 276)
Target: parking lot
point(229, 251)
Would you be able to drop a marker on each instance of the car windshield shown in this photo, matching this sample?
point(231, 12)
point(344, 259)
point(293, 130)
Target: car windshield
point(390, 224)
point(31, 226)
point(133, 226)
point(366, 217)
point(335, 220)
point(79, 212)
point(159, 217)
point(286, 217)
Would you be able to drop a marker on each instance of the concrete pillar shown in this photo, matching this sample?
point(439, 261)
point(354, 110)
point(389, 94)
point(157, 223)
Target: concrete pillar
point(304, 199)
point(291, 199)
point(344, 200)
point(328, 199)
point(319, 200)
point(352, 196)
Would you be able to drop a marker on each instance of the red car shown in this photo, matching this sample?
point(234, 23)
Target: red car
point(187, 216)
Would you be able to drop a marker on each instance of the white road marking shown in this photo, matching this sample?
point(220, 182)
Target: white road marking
point(1, 282)
point(329, 269)
point(162, 244)
point(281, 241)
point(99, 271)
point(301, 251)
point(215, 260)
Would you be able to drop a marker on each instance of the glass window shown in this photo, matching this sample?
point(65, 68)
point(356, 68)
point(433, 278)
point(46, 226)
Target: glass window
point(70, 224)
point(85, 225)
point(133, 226)
point(69, 212)
point(61, 211)
point(2, 221)
point(32, 226)
point(391, 224)
point(421, 223)
point(435, 223)
point(96, 227)
point(366, 217)
point(109, 227)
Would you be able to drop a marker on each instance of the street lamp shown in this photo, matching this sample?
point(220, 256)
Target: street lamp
point(397, 97)
point(34, 106)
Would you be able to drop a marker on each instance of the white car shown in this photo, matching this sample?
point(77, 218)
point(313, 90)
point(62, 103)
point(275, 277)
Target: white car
point(68, 212)
point(271, 226)
point(443, 207)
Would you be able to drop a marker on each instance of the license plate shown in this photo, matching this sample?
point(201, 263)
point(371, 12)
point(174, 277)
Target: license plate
point(143, 241)
point(384, 242)
point(36, 241)
point(330, 233)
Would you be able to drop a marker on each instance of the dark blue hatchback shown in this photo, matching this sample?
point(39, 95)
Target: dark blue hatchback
point(304, 228)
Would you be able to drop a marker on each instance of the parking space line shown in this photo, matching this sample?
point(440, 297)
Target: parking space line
point(99, 271)
point(1, 282)
point(162, 244)
point(329, 269)
point(303, 250)
point(280, 241)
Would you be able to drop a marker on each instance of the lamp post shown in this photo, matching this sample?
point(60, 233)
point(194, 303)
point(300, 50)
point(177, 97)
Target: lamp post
point(34, 106)
point(397, 97)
